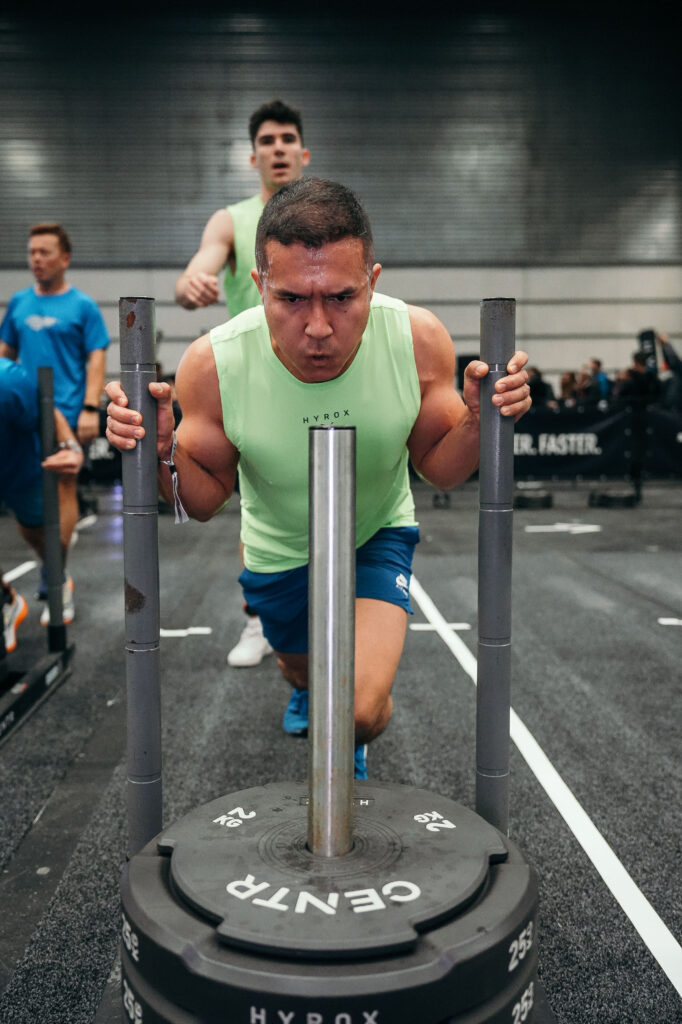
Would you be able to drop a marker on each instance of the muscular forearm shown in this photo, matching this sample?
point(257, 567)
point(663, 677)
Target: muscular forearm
point(88, 419)
point(63, 431)
point(181, 297)
point(201, 493)
point(454, 457)
point(196, 288)
point(198, 284)
point(94, 381)
point(68, 459)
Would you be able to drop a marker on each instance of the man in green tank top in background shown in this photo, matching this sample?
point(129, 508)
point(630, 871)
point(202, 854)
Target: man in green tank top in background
point(227, 244)
point(325, 347)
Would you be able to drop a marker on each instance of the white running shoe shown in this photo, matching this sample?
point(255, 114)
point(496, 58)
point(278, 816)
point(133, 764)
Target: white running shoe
point(68, 608)
point(13, 615)
point(252, 646)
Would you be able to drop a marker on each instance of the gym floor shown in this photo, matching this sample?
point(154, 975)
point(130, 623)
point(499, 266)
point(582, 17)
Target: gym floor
point(596, 768)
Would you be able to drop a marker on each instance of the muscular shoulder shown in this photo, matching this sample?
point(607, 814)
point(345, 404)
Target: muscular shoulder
point(433, 350)
point(196, 379)
point(200, 432)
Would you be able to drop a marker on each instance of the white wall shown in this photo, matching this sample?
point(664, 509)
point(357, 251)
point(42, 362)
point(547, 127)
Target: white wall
point(564, 315)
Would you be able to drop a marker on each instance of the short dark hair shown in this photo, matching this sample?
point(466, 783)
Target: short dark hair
point(277, 111)
point(52, 228)
point(313, 211)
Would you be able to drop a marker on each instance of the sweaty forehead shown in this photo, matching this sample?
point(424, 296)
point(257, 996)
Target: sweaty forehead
point(344, 259)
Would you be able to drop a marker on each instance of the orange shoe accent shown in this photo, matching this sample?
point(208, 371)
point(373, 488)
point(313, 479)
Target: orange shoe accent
point(17, 618)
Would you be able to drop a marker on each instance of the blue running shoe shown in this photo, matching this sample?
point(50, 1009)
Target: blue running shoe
point(361, 761)
point(295, 720)
point(41, 593)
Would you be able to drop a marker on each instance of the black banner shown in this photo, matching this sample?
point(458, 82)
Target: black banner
point(586, 441)
point(663, 455)
point(597, 441)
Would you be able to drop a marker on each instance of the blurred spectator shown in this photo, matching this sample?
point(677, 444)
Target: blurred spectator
point(21, 483)
point(638, 382)
point(568, 388)
point(600, 385)
point(582, 383)
point(671, 397)
point(540, 391)
point(639, 386)
point(592, 383)
point(51, 323)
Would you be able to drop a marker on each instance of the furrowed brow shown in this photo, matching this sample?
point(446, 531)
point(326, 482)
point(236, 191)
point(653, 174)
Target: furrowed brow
point(344, 293)
point(285, 293)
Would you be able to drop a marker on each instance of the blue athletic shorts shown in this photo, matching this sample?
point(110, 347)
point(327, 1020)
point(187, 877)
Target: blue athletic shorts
point(26, 501)
point(383, 571)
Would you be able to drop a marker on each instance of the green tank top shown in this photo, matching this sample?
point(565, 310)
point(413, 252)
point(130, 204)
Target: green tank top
point(240, 290)
point(267, 413)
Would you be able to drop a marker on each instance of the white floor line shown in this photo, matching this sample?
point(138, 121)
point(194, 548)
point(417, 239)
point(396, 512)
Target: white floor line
point(190, 631)
point(660, 941)
point(417, 626)
point(20, 570)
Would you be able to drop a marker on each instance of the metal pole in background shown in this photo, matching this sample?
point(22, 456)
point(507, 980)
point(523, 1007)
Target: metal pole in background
point(496, 494)
point(331, 619)
point(141, 571)
point(54, 568)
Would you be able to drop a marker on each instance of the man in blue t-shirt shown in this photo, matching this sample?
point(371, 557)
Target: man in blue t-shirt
point(53, 324)
point(21, 476)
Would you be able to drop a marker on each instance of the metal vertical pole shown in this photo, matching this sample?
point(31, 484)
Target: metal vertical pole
point(54, 562)
point(141, 571)
point(496, 487)
point(331, 664)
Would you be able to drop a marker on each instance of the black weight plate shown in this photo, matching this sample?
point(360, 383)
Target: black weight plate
point(455, 966)
point(243, 862)
point(514, 1005)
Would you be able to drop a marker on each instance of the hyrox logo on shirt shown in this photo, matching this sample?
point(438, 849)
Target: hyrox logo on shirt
point(327, 417)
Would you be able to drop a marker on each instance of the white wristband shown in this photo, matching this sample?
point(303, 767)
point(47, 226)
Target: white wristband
point(72, 445)
point(180, 514)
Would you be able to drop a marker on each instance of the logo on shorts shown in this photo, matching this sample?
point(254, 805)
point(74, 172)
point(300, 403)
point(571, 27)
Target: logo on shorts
point(402, 584)
point(37, 322)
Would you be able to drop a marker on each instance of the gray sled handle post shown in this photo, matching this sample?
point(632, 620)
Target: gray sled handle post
point(141, 572)
point(496, 494)
point(331, 621)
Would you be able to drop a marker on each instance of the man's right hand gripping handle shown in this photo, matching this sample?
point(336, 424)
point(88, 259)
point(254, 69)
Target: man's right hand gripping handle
point(124, 425)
